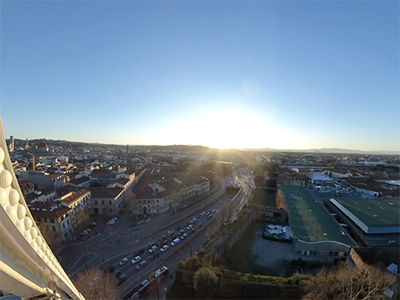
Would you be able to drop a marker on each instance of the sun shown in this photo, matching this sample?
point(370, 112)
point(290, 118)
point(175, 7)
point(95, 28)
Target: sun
point(224, 129)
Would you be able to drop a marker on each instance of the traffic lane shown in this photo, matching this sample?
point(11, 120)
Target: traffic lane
point(174, 231)
point(171, 261)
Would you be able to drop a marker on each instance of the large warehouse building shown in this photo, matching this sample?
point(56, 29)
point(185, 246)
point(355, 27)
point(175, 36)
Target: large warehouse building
point(375, 222)
point(316, 234)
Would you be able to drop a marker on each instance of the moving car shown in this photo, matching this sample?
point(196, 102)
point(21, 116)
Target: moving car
point(183, 236)
point(153, 249)
point(175, 241)
point(164, 248)
point(141, 265)
point(122, 278)
point(136, 259)
point(124, 261)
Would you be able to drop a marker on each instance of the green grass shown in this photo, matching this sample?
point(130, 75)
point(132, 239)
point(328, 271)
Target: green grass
point(264, 197)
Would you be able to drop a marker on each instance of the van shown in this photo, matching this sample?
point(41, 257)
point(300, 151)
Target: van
point(175, 241)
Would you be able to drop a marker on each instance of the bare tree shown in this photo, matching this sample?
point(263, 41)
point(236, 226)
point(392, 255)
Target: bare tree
point(343, 283)
point(52, 239)
point(94, 284)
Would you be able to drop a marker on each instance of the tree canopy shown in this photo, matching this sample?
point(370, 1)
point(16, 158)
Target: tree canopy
point(205, 283)
point(94, 284)
point(344, 283)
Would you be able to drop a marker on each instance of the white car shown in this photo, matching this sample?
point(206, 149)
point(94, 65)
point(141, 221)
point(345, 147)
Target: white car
point(164, 248)
point(124, 261)
point(189, 227)
point(152, 249)
point(136, 259)
point(175, 241)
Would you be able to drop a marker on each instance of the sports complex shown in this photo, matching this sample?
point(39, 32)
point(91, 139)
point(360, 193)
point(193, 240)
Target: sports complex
point(316, 234)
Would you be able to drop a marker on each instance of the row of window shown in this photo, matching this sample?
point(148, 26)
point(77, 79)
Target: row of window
point(148, 201)
point(319, 253)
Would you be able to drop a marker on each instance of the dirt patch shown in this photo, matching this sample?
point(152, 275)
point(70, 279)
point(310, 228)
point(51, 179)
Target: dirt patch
point(253, 254)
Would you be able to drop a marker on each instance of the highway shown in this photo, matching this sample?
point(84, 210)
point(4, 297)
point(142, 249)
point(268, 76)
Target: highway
point(123, 239)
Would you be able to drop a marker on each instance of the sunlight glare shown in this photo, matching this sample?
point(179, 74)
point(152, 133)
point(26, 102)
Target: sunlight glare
point(225, 129)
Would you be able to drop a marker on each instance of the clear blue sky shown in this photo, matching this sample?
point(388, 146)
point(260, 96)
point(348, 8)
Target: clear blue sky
point(309, 74)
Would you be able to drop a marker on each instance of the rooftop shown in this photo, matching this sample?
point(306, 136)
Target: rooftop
point(372, 215)
point(309, 221)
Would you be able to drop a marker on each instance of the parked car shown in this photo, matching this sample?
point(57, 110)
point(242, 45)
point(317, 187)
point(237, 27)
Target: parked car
point(92, 224)
point(141, 265)
point(183, 236)
point(164, 248)
point(124, 261)
point(153, 249)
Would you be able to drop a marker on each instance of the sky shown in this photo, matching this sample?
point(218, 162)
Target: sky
point(276, 74)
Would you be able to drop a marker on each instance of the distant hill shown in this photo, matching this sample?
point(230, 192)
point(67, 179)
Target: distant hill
point(323, 150)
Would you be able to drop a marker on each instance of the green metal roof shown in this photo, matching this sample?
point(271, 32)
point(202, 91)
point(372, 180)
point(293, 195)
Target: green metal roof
point(309, 221)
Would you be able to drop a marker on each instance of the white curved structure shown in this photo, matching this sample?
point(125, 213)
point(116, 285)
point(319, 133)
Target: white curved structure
point(28, 267)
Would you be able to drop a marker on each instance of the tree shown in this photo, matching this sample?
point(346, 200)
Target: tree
point(344, 283)
point(52, 239)
point(94, 284)
point(205, 283)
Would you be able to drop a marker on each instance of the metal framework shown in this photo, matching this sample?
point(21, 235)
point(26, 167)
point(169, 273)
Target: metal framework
point(28, 267)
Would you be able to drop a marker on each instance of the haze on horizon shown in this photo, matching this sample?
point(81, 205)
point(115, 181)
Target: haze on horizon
point(281, 75)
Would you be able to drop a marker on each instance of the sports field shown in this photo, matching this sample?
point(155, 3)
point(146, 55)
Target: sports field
point(309, 221)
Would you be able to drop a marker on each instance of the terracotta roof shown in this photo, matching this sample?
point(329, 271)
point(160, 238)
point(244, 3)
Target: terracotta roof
point(130, 171)
point(171, 186)
point(122, 181)
point(75, 196)
point(102, 192)
point(24, 181)
point(79, 180)
point(54, 175)
point(102, 173)
point(54, 214)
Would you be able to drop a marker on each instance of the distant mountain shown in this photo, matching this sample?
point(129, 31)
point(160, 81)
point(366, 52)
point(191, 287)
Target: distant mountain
point(324, 150)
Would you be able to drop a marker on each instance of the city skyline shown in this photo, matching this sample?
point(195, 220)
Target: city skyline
point(278, 75)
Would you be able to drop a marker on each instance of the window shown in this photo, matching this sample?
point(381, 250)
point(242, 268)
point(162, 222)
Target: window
point(157, 200)
point(95, 202)
point(67, 222)
point(102, 202)
point(54, 228)
point(52, 221)
point(38, 219)
point(63, 225)
point(109, 202)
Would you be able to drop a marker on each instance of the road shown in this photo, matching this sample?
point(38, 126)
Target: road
point(121, 240)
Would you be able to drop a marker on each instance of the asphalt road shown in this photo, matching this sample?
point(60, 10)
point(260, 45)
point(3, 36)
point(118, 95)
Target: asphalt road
point(121, 240)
